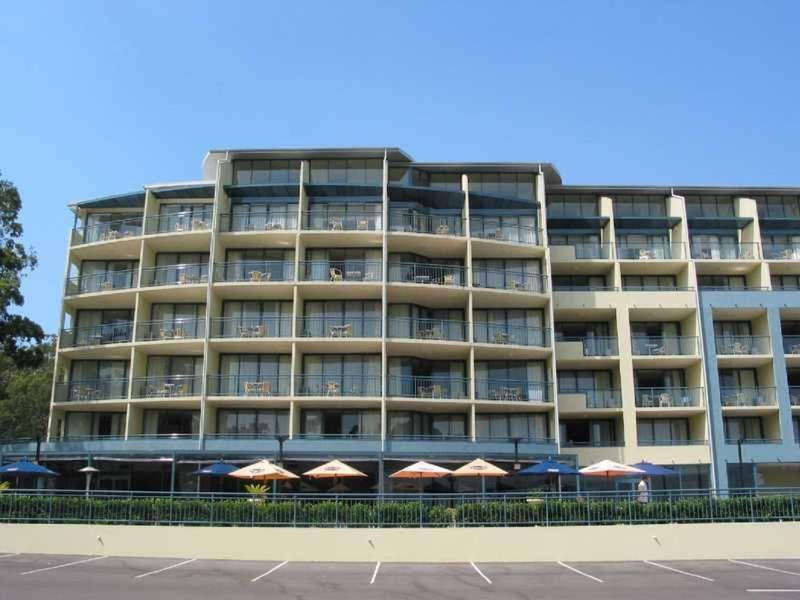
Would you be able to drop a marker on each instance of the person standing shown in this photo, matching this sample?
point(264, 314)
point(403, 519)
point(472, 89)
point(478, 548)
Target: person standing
point(644, 491)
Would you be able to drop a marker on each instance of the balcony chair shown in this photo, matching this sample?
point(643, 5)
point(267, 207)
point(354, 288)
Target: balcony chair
point(199, 224)
point(256, 276)
point(332, 388)
point(335, 274)
point(362, 224)
point(443, 229)
point(501, 337)
point(449, 279)
point(665, 400)
point(335, 224)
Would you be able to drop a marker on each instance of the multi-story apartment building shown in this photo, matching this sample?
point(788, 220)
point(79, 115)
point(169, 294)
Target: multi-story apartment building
point(353, 303)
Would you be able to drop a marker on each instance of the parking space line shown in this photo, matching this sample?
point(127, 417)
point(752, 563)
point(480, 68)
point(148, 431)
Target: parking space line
point(9, 555)
point(765, 591)
point(474, 566)
point(69, 564)
point(749, 564)
point(655, 564)
point(375, 572)
point(579, 572)
point(273, 569)
point(185, 562)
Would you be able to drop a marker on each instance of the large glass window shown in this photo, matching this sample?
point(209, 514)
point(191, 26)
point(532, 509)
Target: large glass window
point(640, 205)
point(567, 283)
point(517, 379)
point(588, 432)
point(171, 422)
point(576, 382)
point(507, 274)
point(414, 377)
point(348, 214)
point(254, 374)
point(341, 375)
point(268, 214)
point(246, 318)
point(102, 275)
point(254, 172)
point(743, 428)
point(505, 426)
point(572, 205)
point(184, 217)
point(259, 264)
point(722, 282)
point(785, 282)
point(411, 321)
point(354, 171)
point(336, 264)
point(252, 422)
point(655, 432)
point(509, 185)
point(645, 283)
point(418, 424)
point(109, 226)
point(509, 326)
point(778, 207)
point(709, 206)
point(178, 366)
point(94, 424)
point(179, 267)
point(343, 423)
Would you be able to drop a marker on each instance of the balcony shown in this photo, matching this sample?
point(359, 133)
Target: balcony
point(107, 231)
point(668, 397)
point(650, 251)
point(97, 335)
point(247, 385)
point(338, 385)
point(181, 222)
point(258, 222)
point(426, 274)
point(251, 327)
point(182, 274)
point(785, 251)
point(664, 346)
point(581, 251)
point(170, 330)
point(167, 386)
point(328, 220)
point(254, 271)
point(429, 387)
point(577, 347)
point(515, 281)
point(791, 345)
point(512, 390)
point(518, 234)
point(724, 250)
point(515, 335)
point(339, 326)
point(742, 345)
point(427, 329)
point(102, 282)
point(748, 397)
point(416, 222)
point(91, 390)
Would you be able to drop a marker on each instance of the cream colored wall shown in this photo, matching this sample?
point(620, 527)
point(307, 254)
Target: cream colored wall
point(500, 544)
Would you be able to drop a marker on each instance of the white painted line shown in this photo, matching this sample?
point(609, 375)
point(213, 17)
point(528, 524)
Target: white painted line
point(655, 564)
point(9, 555)
point(185, 562)
point(749, 564)
point(474, 566)
point(375, 572)
point(69, 564)
point(579, 572)
point(797, 591)
point(273, 569)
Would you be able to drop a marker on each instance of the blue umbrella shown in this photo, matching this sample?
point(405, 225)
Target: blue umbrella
point(218, 469)
point(548, 467)
point(25, 467)
point(653, 470)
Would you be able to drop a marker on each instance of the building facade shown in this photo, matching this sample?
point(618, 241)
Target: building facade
point(353, 303)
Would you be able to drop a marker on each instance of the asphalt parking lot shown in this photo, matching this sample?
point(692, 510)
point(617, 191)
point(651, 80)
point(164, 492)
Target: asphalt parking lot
point(29, 576)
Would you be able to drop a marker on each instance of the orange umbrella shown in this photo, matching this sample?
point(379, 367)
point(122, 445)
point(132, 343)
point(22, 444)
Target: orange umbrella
point(263, 470)
point(609, 468)
point(333, 469)
point(421, 470)
point(479, 468)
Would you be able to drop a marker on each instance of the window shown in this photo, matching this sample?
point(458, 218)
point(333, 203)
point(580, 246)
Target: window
point(413, 321)
point(353, 171)
point(722, 282)
point(505, 426)
point(580, 330)
point(579, 283)
point(352, 264)
point(362, 316)
point(252, 422)
point(507, 274)
point(184, 217)
point(574, 382)
point(509, 185)
point(599, 432)
point(662, 432)
point(778, 207)
point(271, 317)
point(259, 172)
point(259, 264)
point(716, 246)
point(263, 214)
point(738, 378)
point(410, 377)
point(509, 227)
point(743, 428)
point(104, 226)
point(574, 239)
point(709, 206)
point(344, 423)
point(418, 424)
point(640, 205)
point(341, 375)
point(171, 422)
point(785, 282)
point(638, 246)
point(179, 267)
point(659, 379)
point(89, 370)
point(664, 329)
point(524, 380)
point(516, 326)
point(101, 275)
point(240, 373)
point(796, 426)
point(572, 205)
point(94, 424)
point(732, 328)
point(649, 283)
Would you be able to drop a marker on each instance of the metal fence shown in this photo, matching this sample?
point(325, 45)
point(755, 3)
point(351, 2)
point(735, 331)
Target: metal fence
point(400, 510)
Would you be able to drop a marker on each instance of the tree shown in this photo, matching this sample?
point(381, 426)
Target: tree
point(20, 337)
point(25, 395)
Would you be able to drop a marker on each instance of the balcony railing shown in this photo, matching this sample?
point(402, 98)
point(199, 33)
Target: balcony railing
point(432, 387)
point(650, 251)
point(338, 271)
point(724, 250)
point(338, 385)
point(339, 326)
point(427, 329)
point(254, 271)
point(249, 385)
point(171, 329)
point(592, 444)
point(325, 220)
point(757, 441)
point(794, 395)
point(426, 274)
point(337, 436)
point(583, 251)
point(89, 390)
point(284, 221)
point(96, 335)
point(785, 251)
point(415, 222)
point(182, 274)
point(520, 335)
point(664, 346)
point(490, 230)
point(660, 397)
point(167, 386)
point(513, 390)
point(179, 222)
point(671, 442)
point(791, 344)
point(107, 231)
point(102, 282)
point(251, 327)
point(737, 345)
point(596, 346)
point(748, 396)
point(561, 287)
point(516, 281)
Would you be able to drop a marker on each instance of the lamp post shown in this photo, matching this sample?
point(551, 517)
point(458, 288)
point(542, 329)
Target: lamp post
point(89, 470)
point(516, 441)
point(281, 439)
point(741, 464)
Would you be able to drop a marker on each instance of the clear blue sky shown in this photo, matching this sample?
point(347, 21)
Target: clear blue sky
point(103, 97)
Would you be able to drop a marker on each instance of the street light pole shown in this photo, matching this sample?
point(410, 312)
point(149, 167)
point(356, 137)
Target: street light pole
point(516, 441)
point(741, 464)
